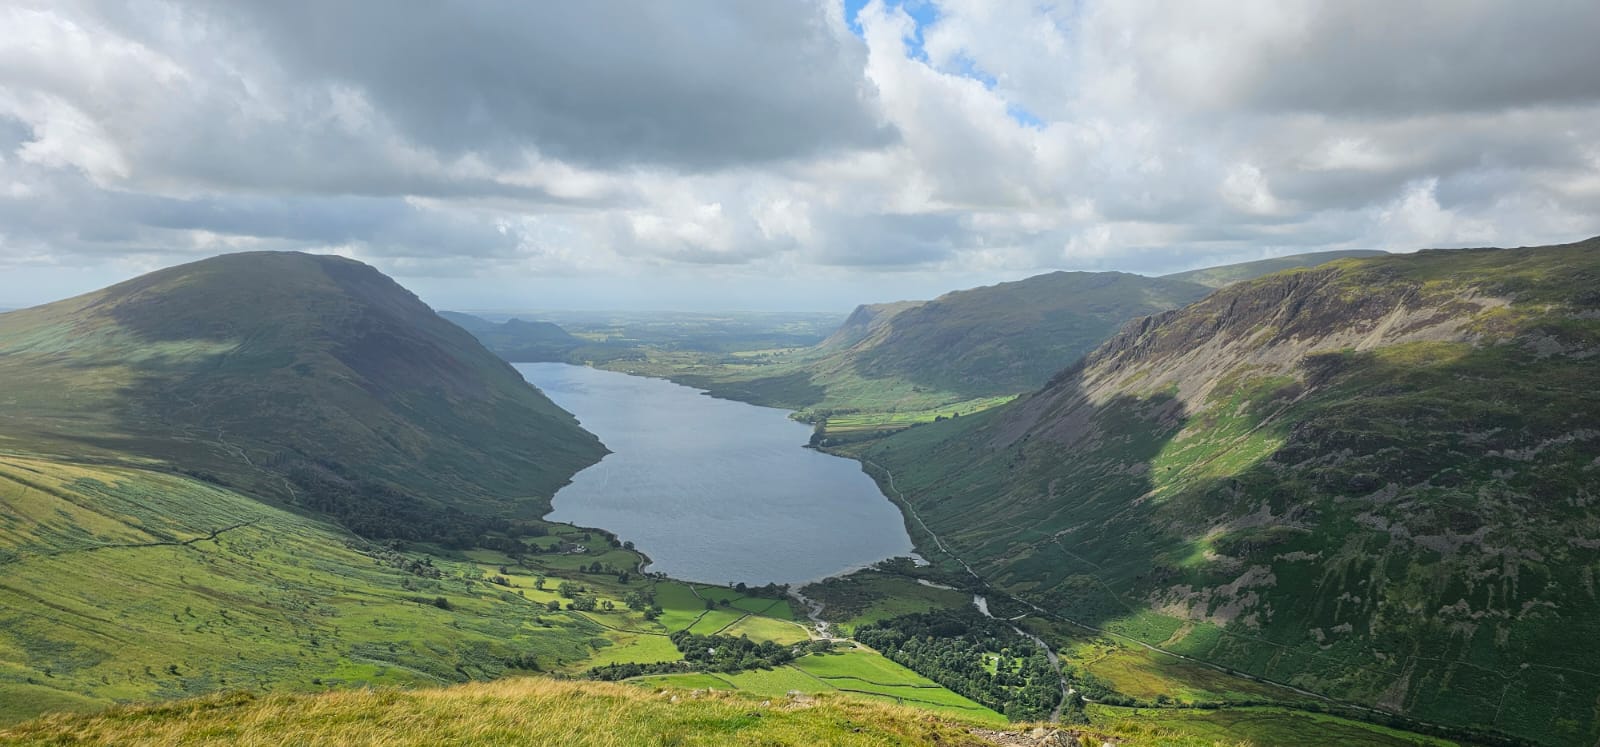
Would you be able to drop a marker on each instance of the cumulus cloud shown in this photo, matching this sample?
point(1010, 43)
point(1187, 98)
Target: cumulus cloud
point(789, 144)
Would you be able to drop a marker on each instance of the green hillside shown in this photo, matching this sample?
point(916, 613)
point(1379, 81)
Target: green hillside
point(1217, 277)
point(178, 455)
point(894, 365)
point(517, 340)
point(1374, 480)
point(960, 352)
point(313, 380)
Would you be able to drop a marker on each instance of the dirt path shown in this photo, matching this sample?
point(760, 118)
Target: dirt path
point(900, 499)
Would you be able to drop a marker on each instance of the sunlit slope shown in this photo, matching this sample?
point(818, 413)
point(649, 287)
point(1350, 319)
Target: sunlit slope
point(124, 584)
point(311, 379)
point(1373, 479)
point(534, 711)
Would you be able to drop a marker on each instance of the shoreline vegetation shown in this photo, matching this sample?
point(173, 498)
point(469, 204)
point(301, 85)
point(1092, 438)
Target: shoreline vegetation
point(1076, 682)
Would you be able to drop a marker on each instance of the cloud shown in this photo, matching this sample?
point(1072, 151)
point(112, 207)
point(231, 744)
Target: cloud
point(694, 85)
point(787, 144)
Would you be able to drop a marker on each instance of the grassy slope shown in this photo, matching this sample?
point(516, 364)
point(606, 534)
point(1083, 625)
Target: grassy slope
point(121, 584)
point(1217, 277)
point(115, 589)
point(510, 712)
point(256, 367)
point(125, 577)
point(1402, 518)
point(535, 711)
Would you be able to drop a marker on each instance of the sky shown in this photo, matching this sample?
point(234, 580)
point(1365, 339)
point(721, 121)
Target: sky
point(783, 154)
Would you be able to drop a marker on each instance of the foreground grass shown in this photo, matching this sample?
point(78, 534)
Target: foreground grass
point(528, 711)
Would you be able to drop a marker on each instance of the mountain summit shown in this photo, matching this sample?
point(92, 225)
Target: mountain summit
point(313, 379)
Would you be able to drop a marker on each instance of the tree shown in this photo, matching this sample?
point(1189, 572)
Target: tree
point(538, 583)
point(553, 605)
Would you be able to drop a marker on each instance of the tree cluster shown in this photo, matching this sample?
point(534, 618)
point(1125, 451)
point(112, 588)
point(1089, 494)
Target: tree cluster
point(951, 648)
point(713, 653)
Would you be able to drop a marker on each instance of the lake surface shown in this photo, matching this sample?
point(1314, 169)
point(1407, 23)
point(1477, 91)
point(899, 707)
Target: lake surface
point(714, 490)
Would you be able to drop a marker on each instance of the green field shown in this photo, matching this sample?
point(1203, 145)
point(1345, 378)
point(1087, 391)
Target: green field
point(758, 628)
point(887, 422)
point(857, 673)
point(870, 596)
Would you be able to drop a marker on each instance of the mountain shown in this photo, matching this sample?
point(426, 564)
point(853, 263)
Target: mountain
point(964, 350)
point(314, 380)
point(516, 340)
point(1010, 337)
point(961, 347)
point(1216, 277)
point(863, 321)
point(1375, 479)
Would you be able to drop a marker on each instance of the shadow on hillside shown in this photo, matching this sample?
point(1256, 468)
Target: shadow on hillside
point(1345, 551)
point(1061, 510)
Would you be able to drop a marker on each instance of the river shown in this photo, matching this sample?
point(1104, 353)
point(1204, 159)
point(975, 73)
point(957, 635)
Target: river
point(715, 490)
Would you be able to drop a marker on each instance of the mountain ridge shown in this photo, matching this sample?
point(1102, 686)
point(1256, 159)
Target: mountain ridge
point(1265, 478)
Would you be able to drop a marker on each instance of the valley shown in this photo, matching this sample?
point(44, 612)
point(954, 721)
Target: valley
point(253, 567)
point(798, 373)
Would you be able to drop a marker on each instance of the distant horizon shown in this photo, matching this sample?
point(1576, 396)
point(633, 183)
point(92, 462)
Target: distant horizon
point(508, 305)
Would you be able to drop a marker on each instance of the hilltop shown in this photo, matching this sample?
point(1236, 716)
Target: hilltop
point(1371, 479)
point(516, 340)
point(1221, 275)
point(312, 380)
point(963, 351)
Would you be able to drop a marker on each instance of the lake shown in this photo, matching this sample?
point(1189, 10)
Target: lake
point(715, 490)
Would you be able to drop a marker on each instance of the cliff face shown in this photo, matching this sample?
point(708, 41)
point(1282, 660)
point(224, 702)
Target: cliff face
point(863, 322)
point(1374, 479)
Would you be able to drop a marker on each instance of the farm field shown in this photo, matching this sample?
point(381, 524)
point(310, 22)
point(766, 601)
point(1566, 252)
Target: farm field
point(857, 673)
point(870, 596)
point(857, 423)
